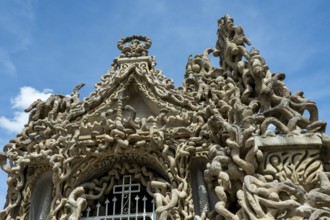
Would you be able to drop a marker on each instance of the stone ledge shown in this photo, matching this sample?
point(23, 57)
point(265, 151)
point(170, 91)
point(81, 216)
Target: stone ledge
point(123, 60)
point(303, 140)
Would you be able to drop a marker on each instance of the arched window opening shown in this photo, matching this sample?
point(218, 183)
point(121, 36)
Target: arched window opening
point(41, 197)
point(203, 198)
point(127, 200)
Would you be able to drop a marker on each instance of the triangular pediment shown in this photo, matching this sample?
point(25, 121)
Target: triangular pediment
point(136, 92)
point(144, 105)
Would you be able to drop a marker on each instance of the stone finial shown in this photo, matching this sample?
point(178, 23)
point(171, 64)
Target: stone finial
point(134, 46)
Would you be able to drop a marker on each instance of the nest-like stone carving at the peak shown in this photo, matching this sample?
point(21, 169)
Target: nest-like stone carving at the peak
point(232, 143)
point(134, 46)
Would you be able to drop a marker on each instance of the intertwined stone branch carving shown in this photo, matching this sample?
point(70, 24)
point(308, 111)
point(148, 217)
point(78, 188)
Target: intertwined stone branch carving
point(137, 122)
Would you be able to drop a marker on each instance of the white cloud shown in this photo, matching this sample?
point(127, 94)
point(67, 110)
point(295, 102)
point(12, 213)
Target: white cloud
point(27, 95)
point(23, 100)
point(15, 124)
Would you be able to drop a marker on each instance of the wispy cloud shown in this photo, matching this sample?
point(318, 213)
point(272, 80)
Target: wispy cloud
point(6, 64)
point(155, 6)
point(25, 97)
point(16, 25)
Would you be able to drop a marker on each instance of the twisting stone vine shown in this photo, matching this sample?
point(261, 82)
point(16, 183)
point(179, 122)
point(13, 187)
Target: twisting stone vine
point(264, 158)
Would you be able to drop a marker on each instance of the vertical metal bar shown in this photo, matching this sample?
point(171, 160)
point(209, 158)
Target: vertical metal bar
point(114, 200)
point(98, 209)
point(106, 207)
point(153, 205)
point(153, 209)
point(144, 207)
point(129, 195)
point(144, 204)
point(122, 198)
point(88, 210)
point(137, 206)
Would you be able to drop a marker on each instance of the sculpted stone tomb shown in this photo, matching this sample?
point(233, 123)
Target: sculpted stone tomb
point(232, 143)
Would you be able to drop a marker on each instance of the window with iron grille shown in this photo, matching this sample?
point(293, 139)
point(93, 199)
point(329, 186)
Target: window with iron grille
point(127, 201)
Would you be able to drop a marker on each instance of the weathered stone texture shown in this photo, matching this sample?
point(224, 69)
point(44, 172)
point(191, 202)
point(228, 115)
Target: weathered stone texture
point(232, 143)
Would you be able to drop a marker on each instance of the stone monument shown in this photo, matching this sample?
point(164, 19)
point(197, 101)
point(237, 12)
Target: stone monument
point(232, 143)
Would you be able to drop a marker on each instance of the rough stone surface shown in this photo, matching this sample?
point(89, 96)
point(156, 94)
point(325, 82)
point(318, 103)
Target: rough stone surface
point(232, 143)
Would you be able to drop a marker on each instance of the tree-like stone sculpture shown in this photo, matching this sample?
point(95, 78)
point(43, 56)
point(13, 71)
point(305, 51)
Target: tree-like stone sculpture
point(232, 143)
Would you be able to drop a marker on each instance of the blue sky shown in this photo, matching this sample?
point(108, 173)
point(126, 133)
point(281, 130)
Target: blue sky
point(49, 46)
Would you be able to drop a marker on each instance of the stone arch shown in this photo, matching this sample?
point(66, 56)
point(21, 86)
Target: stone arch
point(96, 189)
point(94, 167)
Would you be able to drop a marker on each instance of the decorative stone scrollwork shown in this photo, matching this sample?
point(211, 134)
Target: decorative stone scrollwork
point(300, 166)
point(262, 158)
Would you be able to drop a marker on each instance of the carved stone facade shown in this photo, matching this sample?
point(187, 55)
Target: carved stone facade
point(232, 143)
